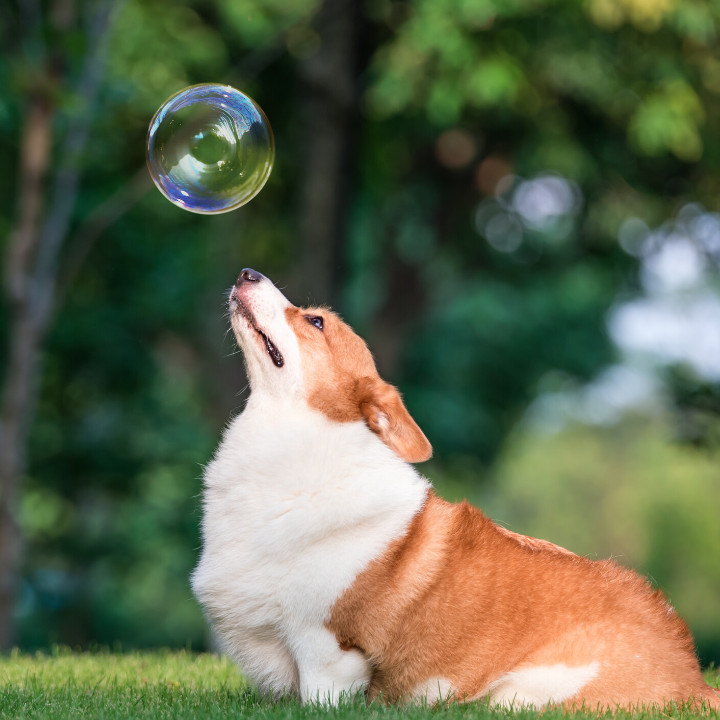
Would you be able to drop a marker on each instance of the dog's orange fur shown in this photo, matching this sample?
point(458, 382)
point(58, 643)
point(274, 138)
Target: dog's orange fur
point(460, 598)
point(344, 384)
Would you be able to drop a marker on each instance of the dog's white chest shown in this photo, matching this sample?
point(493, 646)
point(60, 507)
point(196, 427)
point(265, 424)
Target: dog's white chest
point(293, 513)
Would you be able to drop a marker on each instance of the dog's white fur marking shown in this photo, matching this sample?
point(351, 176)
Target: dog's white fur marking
point(537, 686)
point(295, 506)
point(434, 690)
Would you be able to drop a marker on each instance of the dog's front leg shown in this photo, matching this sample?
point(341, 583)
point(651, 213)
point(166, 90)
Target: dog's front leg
point(327, 672)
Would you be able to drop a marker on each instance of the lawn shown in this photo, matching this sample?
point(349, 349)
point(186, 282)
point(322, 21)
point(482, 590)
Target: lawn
point(183, 685)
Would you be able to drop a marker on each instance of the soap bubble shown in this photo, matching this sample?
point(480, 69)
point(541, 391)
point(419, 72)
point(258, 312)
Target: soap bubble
point(210, 149)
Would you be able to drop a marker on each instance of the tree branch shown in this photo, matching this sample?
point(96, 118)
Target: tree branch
point(34, 159)
point(110, 210)
point(32, 290)
point(69, 168)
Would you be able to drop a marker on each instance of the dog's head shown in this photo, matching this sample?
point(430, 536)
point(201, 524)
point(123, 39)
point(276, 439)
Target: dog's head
point(310, 355)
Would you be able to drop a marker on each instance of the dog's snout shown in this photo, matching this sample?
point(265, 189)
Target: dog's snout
point(249, 275)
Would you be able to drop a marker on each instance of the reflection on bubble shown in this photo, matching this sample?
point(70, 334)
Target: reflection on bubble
point(210, 149)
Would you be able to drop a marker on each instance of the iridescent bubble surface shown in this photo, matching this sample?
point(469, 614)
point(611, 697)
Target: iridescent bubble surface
point(210, 148)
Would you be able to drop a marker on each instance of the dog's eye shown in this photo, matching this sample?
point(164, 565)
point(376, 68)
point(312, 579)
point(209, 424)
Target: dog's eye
point(315, 320)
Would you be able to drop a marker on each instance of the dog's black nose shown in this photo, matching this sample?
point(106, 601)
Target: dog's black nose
point(249, 275)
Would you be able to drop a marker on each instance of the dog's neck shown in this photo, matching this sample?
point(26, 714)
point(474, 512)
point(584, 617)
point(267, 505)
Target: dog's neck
point(301, 477)
point(285, 440)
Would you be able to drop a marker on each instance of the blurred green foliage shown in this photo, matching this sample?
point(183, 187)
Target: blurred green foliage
point(619, 98)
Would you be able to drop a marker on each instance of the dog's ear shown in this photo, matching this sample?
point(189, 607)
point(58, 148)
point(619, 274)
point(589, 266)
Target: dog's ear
point(382, 407)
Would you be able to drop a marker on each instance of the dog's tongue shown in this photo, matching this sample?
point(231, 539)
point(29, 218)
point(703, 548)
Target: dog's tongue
point(274, 353)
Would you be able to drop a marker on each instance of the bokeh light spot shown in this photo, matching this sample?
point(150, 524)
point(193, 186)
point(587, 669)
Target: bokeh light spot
point(456, 148)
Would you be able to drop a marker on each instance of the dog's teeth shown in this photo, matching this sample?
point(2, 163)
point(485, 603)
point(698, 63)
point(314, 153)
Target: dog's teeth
point(274, 353)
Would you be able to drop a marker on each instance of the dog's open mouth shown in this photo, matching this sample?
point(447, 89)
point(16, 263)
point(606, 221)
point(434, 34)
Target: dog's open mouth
point(272, 351)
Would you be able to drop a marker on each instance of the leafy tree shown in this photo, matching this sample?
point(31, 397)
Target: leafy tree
point(414, 139)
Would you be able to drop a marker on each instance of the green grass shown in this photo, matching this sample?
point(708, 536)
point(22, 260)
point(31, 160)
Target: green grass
point(181, 685)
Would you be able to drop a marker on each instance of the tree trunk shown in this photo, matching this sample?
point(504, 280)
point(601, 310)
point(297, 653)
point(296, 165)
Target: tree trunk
point(21, 370)
point(32, 272)
point(330, 109)
point(17, 410)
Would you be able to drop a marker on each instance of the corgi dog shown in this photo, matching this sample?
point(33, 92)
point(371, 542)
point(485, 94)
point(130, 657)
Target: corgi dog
point(329, 566)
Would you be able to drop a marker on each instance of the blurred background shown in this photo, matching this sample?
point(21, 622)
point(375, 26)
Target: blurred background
point(514, 201)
